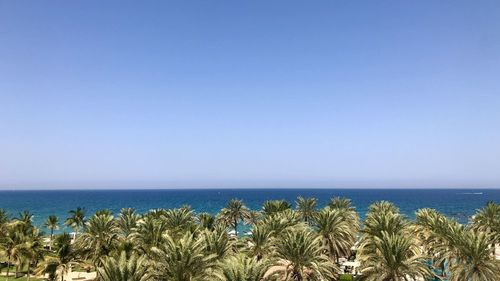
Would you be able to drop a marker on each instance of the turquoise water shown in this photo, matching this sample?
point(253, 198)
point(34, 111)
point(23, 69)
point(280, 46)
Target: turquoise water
point(459, 204)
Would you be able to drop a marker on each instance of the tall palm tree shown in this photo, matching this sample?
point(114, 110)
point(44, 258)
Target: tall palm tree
point(241, 268)
point(301, 257)
point(234, 213)
point(338, 235)
point(396, 258)
point(306, 207)
point(183, 259)
point(52, 223)
point(76, 219)
point(126, 268)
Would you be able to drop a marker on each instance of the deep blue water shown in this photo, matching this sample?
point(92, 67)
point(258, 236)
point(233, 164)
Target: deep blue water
point(460, 204)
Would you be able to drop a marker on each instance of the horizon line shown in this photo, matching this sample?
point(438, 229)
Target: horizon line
point(11, 189)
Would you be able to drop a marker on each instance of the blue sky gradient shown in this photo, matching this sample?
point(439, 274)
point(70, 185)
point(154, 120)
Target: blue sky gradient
point(249, 94)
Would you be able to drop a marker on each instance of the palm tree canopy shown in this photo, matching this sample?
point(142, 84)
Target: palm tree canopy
point(396, 258)
point(52, 222)
point(183, 259)
point(306, 207)
point(124, 269)
point(241, 268)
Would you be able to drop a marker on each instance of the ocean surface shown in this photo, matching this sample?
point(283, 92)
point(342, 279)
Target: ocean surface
point(455, 203)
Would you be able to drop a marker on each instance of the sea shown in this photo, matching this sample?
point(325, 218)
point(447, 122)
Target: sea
point(460, 204)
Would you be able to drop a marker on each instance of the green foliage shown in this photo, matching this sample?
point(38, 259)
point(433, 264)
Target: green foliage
point(305, 243)
point(346, 277)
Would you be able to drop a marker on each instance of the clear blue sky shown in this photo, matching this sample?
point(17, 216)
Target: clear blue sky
point(249, 93)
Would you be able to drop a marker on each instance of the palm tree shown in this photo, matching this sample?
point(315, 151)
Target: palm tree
point(124, 269)
point(178, 220)
point(254, 217)
point(24, 221)
point(347, 209)
point(396, 258)
point(487, 220)
point(430, 231)
point(341, 203)
point(306, 207)
point(206, 221)
point(8, 245)
point(76, 219)
point(241, 268)
point(280, 222)
point(466, 251)
point(99, 238)
point(261, 241)
point(377, 221)
point(473, 260)
point(234, 213)
point(182, 260)
point(271, 207)
point(51, 223)
point(4, 220)
point(338, 235)
point(149, 234)
point(33, 250)
point(63, 259)
point(383, 207)
point(127, 222)
point(301, 257)
point(217, 243)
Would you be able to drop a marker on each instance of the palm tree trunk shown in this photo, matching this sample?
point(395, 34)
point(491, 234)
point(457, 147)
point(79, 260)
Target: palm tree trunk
point(8, 269)
point(28, 277)
point(236, 228)
point(51, 236)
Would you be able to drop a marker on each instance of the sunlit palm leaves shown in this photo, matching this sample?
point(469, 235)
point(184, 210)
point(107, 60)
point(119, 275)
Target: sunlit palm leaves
point(338, 235)
point(184, 259)
point(306, 207)
point(124, 269)
point(76, 219)
point(234, 213)
point(241, 268)
point(396, 258)
point(301, 257)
